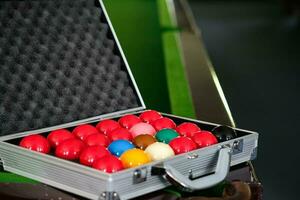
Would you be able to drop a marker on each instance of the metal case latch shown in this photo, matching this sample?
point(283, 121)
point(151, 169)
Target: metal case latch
point(139, 175)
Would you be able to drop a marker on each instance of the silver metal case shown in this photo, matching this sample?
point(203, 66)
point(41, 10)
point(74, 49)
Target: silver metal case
point(211, 164)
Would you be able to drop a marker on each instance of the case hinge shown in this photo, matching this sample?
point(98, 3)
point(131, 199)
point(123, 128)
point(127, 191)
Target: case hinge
point(237, 147)
point(1, 165)
point(139, 175)
point(109, 196)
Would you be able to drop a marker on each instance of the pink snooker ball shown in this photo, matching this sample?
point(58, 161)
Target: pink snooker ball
point(142, 129)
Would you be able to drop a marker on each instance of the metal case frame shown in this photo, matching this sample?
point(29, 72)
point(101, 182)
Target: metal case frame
point(205, 163)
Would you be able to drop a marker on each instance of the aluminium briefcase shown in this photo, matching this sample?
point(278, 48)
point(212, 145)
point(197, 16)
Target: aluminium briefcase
point(62, 66)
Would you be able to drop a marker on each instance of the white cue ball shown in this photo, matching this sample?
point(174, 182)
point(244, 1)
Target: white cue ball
point(159, 151)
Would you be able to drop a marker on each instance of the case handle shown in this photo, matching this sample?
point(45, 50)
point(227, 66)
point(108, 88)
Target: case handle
point(222, 169)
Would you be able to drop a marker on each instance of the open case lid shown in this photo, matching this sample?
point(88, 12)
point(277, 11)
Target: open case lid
point(60, 63)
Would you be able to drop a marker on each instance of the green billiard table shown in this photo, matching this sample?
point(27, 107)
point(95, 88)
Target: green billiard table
point(148, 37)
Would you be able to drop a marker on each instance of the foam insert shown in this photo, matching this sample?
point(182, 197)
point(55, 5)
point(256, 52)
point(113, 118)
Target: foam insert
point(59, 63)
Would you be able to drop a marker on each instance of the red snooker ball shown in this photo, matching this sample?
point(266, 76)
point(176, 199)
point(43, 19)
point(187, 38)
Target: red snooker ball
point(82, 131)
point(90, 154)
point(128, 121)
point(182, 145)
point(204, 139)
point(163, 123)
point(97, 139)
point(187, 129)
point(150, 116)
point(58, 136)
point(109, 164)
point(70, 149)
point(107, 126)
point(36, 143)
point(120, 134)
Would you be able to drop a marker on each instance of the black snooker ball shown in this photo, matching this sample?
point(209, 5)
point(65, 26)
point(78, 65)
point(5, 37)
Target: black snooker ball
point(224, 133)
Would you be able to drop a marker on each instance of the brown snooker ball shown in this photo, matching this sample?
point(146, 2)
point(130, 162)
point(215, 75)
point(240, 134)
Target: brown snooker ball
point(143, 141)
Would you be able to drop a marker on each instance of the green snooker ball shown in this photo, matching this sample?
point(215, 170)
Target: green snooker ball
point(166, 135)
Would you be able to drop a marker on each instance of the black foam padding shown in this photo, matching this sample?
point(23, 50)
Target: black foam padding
point(59, 63)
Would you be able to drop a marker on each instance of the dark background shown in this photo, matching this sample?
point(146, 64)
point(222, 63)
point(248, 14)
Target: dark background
point(255, 49)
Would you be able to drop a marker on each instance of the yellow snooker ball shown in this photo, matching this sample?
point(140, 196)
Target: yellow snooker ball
point(134, 158)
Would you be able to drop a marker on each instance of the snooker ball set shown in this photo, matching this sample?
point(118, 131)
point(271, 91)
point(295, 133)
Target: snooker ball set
point(133, 140)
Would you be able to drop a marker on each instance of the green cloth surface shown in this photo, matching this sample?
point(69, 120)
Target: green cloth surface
point(136, 23)
point(150, 42)
point(179, 91)
point(6, 177)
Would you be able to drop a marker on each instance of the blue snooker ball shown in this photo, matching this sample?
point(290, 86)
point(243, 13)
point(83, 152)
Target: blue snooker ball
point(118, 147)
